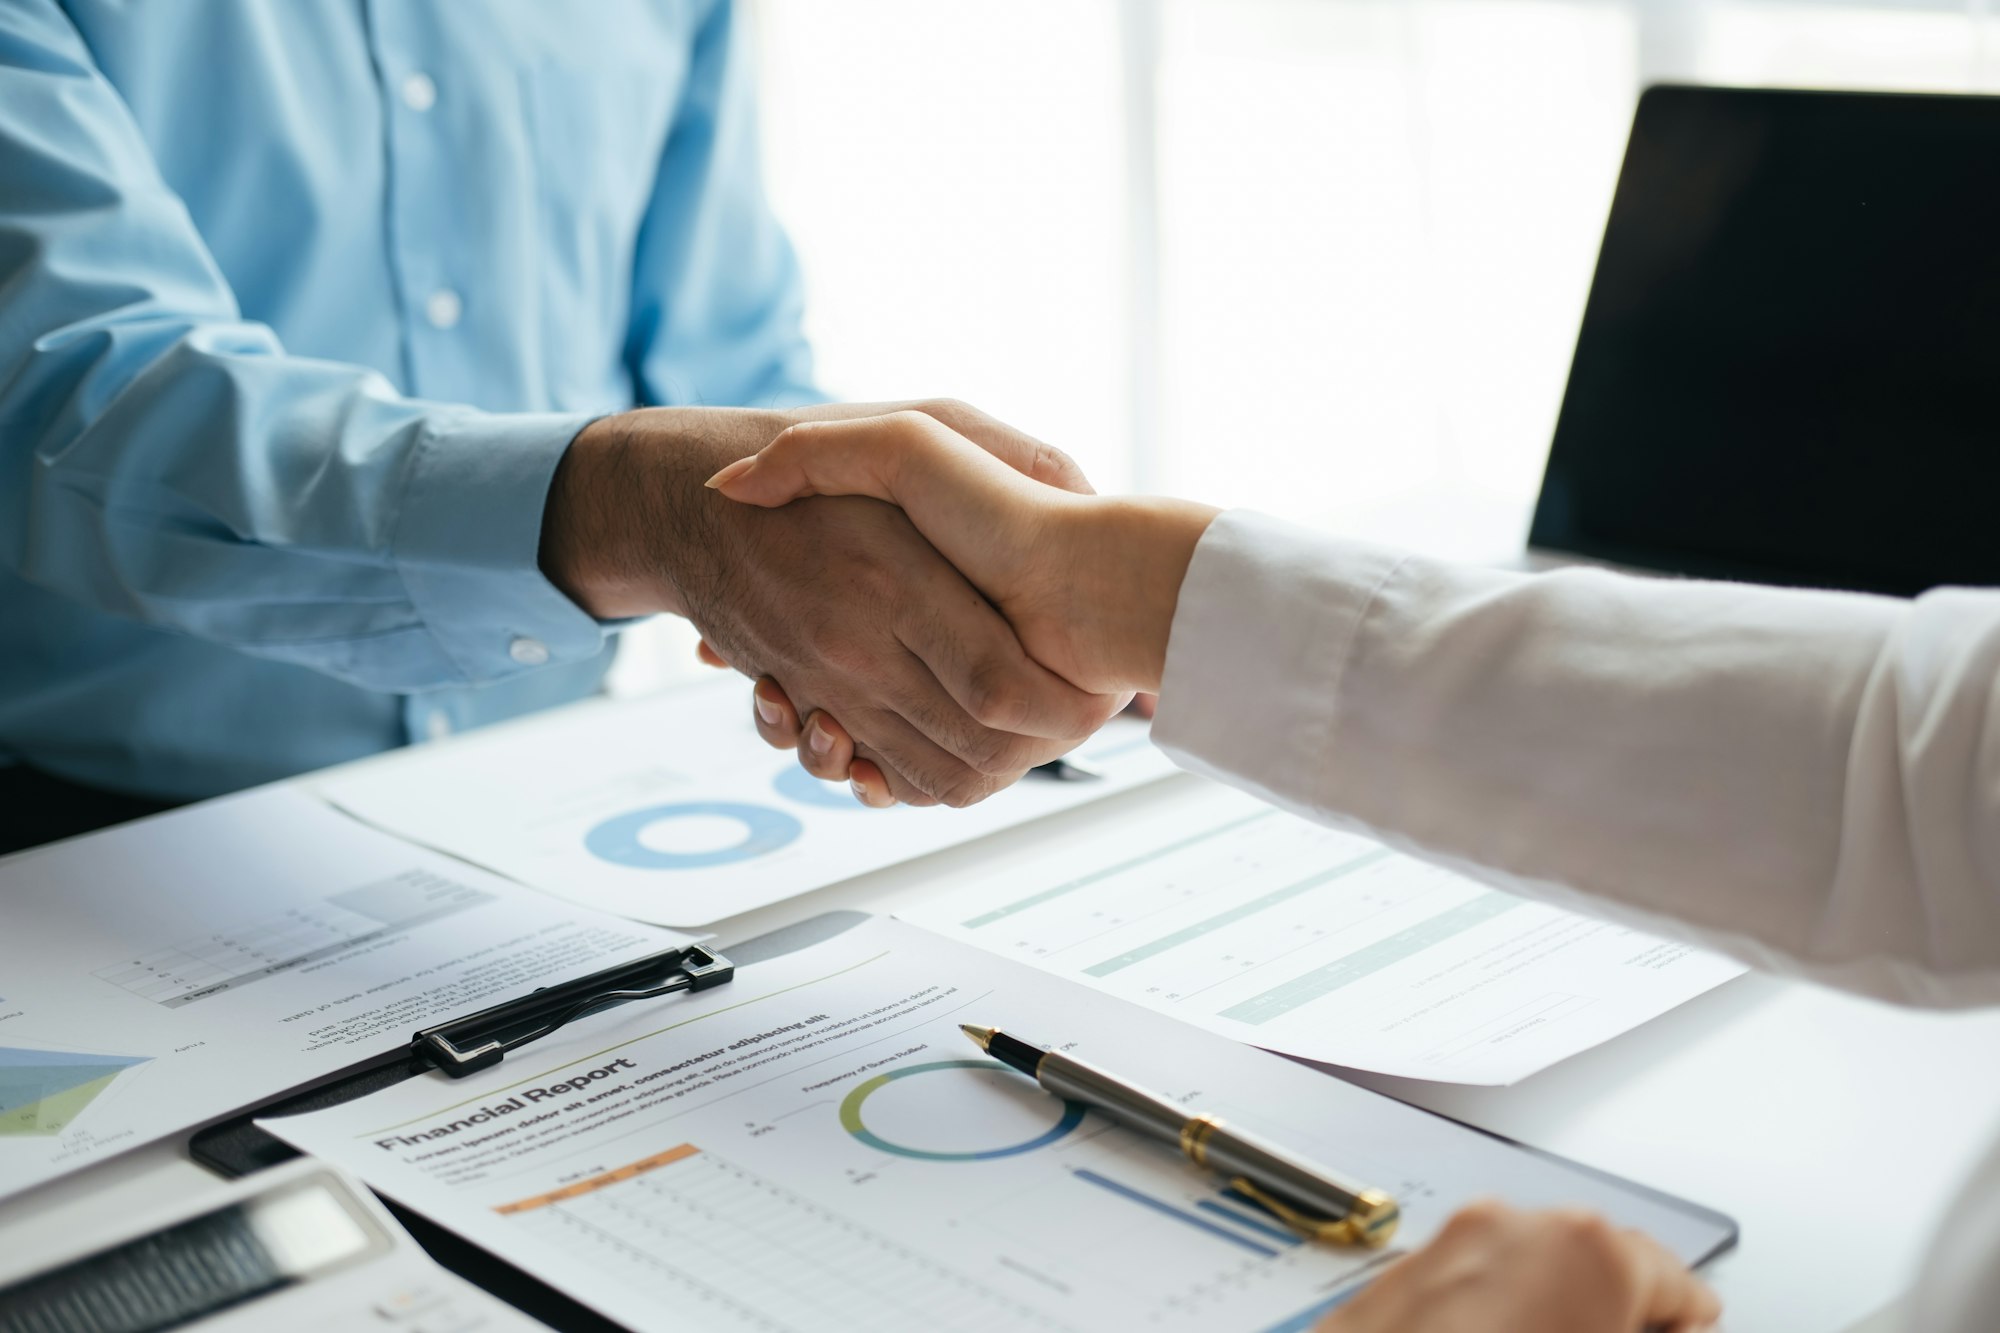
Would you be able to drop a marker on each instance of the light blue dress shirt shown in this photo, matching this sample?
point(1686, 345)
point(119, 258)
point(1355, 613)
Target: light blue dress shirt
point(300, 303)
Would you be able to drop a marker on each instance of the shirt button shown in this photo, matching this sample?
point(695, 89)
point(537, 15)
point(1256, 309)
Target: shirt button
point(437, 726)
point(443, 308)
point(528, 652)
point(419, 93)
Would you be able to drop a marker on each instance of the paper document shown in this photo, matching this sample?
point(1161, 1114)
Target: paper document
point(671, 809)
point(817, 1146)
point(165, 974)
point(1267, 928)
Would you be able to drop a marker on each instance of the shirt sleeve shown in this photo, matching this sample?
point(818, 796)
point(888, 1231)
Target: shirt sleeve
point(163, 458)
point(717, 299)
point(1807, 780)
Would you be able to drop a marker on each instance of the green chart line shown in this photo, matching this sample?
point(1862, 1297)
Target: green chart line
point(1301, 990)
point(1047, 895)
point(1232, 916)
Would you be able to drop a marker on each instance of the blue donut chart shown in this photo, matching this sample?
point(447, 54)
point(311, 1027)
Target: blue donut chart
point(617, 839)
point(795, 784)
point(850, 1118)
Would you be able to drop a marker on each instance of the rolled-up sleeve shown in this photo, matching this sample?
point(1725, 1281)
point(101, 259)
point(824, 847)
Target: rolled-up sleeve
point(165, 459)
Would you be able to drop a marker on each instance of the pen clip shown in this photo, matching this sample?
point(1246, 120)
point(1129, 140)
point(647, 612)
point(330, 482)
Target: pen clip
point(481, 1040)
point(1370, 1225)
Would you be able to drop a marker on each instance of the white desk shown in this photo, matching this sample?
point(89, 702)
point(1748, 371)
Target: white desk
point(1766, 1100)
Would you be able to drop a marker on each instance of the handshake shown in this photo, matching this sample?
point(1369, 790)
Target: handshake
point(932, 603)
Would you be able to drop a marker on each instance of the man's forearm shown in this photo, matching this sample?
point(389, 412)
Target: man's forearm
point(629, 528)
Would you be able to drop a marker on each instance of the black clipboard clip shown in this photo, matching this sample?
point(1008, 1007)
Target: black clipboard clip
point(479, 1041)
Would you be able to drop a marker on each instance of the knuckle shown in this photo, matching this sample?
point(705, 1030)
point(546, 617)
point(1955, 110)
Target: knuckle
point(1586, 1233)
point(966, 789)
point(923, 782)
point(910, 424)
point(947, 410)
point(1477, 1218)
point(983, 751)
point(995, 699)
point(1000, 754)
point(840, 651)
point(1056, 468)
point(907, 788)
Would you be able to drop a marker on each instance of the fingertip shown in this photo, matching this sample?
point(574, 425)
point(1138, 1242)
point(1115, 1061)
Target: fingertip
point(777, 720)
point(825, 736)
point(825, 748)
point(741, 467)
point(870, 787)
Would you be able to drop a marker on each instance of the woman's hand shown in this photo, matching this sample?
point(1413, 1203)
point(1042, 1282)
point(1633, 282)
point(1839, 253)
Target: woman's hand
point(1563, 1271)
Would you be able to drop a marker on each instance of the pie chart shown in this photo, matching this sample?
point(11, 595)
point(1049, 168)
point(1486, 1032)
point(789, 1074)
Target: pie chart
point(644, 839)
point(956, 1111)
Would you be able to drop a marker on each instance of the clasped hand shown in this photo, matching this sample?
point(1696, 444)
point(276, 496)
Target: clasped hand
point(1087, 582)
point(841, 599)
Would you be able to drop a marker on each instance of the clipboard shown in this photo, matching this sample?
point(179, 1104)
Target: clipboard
point(237, 1147)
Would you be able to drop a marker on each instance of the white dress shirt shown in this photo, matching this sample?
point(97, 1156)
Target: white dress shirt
point(1808, 781)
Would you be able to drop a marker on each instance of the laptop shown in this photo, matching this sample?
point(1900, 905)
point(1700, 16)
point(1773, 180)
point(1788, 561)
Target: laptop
point(1789, 365)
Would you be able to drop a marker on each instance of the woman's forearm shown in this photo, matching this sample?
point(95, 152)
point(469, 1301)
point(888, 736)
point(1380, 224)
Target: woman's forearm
point(1126, 557)
point(1809, 780)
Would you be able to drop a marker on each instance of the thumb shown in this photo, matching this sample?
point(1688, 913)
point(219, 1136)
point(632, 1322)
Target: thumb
point(941, 479)
point(1017, 449)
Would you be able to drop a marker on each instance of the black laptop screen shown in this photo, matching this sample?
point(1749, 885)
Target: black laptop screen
point(1789, 366)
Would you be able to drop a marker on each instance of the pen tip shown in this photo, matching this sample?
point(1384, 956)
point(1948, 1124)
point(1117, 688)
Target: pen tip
point(981, 1037)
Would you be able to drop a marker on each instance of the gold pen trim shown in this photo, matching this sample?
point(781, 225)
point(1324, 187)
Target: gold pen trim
point(1371, 1222)
point(1195, 1134)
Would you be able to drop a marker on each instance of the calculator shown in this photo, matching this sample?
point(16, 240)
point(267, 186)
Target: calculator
point(300, 1247)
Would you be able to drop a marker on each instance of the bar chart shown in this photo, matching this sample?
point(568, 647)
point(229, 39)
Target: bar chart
point(717, 1240)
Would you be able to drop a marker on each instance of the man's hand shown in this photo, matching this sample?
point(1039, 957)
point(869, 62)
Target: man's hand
point(1564, 1271)
point(1089, 585)
point(840, 599)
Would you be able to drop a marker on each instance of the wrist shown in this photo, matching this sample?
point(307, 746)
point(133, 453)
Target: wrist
point(627, 516)
point(1132, 555)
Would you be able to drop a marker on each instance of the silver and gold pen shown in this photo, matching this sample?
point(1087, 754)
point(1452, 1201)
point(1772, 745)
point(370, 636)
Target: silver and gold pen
point(1309, 1198)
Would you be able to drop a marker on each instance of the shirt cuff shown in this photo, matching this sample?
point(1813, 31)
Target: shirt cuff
point(468, 544)
point(1268, 616)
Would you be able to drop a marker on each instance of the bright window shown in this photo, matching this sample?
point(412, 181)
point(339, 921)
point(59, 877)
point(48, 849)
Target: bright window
point(1323, 257)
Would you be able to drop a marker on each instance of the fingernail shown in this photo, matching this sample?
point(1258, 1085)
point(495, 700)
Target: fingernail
point(818, 738)
point(860, 790)
point(767, 710)
point(732, 472)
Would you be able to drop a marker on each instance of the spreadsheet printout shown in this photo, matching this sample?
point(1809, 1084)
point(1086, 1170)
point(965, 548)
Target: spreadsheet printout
point(1268, 928)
